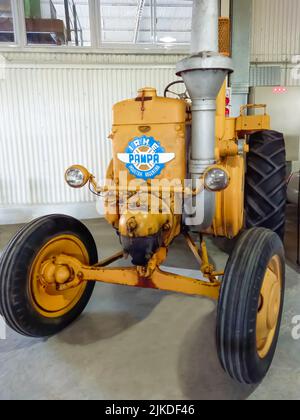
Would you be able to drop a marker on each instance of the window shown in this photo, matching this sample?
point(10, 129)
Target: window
point(174, 21)
point(133, 23)
point(57, 22)
point(118, 21)
point(6, 22)
point(157, 22)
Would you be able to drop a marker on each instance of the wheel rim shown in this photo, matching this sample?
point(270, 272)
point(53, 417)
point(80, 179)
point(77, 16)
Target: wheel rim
point(269, 307)
point(47, 301)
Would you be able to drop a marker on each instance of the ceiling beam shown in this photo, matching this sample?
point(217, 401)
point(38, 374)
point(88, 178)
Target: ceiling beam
point(153, 21)
point(161, 5)
point(175, 31)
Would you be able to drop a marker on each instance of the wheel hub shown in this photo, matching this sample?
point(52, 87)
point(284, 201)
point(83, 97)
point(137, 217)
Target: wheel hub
point(48, 278)
point(269, 307)
point(59, 274)
point(273, 307)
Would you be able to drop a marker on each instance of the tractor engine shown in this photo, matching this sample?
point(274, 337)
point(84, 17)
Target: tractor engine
point(149, 158)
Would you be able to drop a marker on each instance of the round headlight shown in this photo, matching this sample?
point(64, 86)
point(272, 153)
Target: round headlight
point(216, 179)
point(77, 176)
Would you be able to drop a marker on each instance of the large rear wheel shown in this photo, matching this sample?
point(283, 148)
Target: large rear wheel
point(30, 305)
point(265, 189)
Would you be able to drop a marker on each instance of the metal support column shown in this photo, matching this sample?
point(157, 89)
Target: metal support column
point(95, 23)
point(75, 25)
point(68, 25)
point(241, 17)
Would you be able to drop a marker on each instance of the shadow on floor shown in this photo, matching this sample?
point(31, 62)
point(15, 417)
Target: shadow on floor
point(91, 328)
point(114, 309)
point(200, 372)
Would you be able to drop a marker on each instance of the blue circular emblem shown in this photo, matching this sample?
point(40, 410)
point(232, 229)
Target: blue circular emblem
point(145, 158)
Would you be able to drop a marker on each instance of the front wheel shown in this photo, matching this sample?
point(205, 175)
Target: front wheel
point(250, 306)
point(29, 305)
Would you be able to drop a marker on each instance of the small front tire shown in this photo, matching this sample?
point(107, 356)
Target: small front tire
point(250, 306)
point(26, 305)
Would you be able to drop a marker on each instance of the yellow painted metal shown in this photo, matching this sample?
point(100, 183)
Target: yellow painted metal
point(206, 268)
point(143, 187)
point(193, 247)
point(220, 112)
point(147, 214)
point(111, 201)
point(248, 123)
point(229, 216)
point(173, 282)
point(134, 277)
point(230, 129)
point(146, 198)
point(245, 108)
point(140, 224)
point(269, 307)
point(45, 276)
point(157, 259)
point(227, 148)
point(202, 257)
point(166, 122)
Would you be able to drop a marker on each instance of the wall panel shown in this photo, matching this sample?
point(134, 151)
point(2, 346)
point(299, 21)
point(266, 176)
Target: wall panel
point(54, 115)
point(275, 30)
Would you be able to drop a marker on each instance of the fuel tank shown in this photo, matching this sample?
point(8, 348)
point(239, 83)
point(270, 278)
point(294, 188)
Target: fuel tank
point(149, 137)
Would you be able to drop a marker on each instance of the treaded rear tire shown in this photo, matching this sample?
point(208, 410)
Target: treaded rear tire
point(239, 302)
point(15, 265)
point(265, 188)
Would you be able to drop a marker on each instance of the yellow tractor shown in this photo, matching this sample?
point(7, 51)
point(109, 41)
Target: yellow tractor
point(180, 167)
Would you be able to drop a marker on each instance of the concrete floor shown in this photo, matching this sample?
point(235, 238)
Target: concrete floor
point(144, 344)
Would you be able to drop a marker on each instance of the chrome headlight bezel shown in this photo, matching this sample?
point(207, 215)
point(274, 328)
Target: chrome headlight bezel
point(216, 178)
point(77, 176)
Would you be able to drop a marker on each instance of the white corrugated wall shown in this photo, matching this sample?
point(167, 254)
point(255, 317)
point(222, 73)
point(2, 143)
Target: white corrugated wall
point(54, 115)
point(275, 30)
point(275, 49)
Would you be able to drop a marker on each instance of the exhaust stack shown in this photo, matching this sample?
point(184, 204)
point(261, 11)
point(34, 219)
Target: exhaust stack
point(204, 73)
